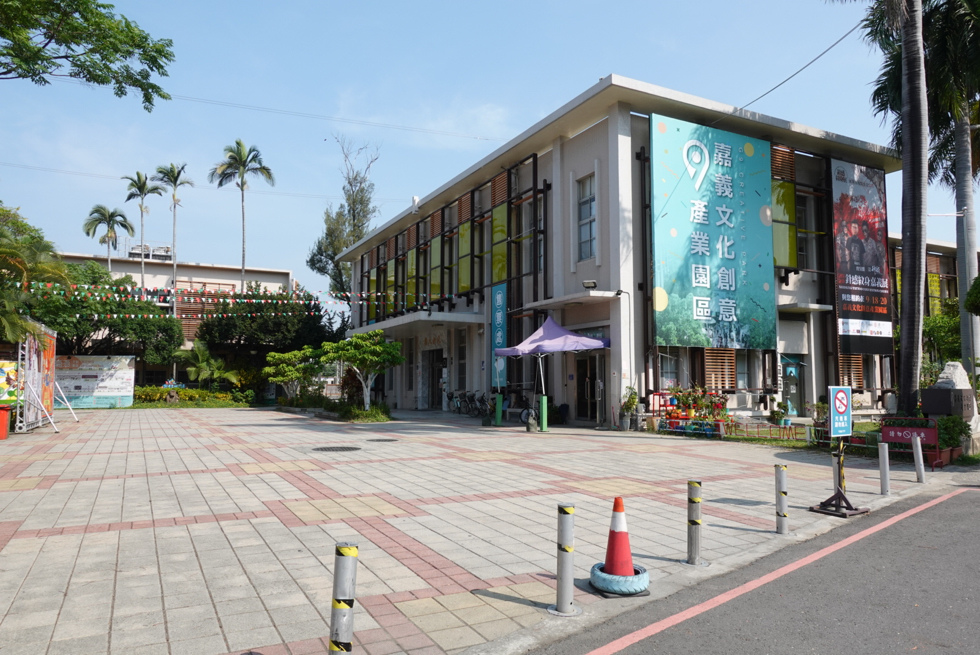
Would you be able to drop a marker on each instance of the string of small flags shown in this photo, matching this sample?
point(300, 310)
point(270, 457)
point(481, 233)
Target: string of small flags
point(114, 316)
point(131, 292)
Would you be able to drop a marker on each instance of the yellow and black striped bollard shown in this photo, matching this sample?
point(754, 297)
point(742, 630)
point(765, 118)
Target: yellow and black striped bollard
point(694, 522)
point(342, 611)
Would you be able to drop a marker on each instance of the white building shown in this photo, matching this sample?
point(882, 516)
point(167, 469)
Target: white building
point(701, 239)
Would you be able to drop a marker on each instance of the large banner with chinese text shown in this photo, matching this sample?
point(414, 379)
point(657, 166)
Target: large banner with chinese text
point(498, 334)
point(712, 237)
point(864, 318)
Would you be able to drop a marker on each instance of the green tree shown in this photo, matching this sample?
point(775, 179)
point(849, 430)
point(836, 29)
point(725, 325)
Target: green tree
point(367, 354)
point(294, 370)
point(204, 367)
point(941, 332)
point(952, 67)
point(139, 188)
point(261, 321)
point(349, 224)
point(113, 220)
point(84, 40)
point(172, 177)
point(92, 321)
point(25, 257)
point(239, 164)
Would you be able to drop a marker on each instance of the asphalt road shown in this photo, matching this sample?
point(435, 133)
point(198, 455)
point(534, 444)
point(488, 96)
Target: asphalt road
point(912, 586)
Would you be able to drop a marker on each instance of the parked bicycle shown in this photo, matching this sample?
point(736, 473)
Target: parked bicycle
point(528, 410)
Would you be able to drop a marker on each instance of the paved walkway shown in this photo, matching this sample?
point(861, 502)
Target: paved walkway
point(203, 532)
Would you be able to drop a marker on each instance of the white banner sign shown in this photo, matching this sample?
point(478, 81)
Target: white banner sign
point(95, 381)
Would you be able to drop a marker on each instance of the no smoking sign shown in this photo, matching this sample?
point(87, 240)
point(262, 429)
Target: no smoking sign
point(840, 411)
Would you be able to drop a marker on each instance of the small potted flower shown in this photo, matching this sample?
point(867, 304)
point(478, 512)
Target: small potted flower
point(627, 411)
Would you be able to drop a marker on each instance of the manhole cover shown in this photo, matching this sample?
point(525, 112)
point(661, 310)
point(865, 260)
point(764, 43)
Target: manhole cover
point(336, 449)
point(382, 440)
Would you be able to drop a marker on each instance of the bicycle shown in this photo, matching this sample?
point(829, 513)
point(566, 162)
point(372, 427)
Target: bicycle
point(529, 411)
point(474, 405)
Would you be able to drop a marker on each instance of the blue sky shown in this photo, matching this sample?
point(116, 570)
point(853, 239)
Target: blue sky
point(483, 70)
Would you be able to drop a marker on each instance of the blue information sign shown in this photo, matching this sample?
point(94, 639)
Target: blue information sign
point(498, 332)
point(840, 411)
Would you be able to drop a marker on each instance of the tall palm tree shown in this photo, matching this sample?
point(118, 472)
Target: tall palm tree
point(905, 17)
point(952, 65)
point(140, 187)
point(240, 162)
point(172, 177)
point(113, 220)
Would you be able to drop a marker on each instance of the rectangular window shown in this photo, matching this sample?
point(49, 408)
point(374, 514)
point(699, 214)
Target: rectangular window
point(586, 218)
point(741, 369)
point(784, 224)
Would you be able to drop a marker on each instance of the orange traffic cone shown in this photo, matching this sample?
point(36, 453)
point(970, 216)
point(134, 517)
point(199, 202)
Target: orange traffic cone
point(619, 557)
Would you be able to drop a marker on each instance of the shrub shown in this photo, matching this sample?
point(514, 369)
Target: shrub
point(378, 413)
point(951, 429)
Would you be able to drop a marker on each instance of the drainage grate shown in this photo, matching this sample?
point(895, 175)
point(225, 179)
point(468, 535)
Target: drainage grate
point(382, 440)
point(336, 449)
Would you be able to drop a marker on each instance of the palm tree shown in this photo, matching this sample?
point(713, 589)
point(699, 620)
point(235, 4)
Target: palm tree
point(113, 220)
point(952, 51)
point(204, 367)
point(905, 17)
point(23, 259)
point(172, 177)
point(140, 187)
point(239, 163)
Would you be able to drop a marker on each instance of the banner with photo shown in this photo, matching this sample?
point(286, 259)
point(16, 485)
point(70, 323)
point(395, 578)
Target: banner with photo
point(96, 381)
point(864, 316)
point(712, 237)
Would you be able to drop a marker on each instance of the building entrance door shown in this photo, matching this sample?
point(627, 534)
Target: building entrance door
point(792, 384)
point(432, 368)
point(590, 388)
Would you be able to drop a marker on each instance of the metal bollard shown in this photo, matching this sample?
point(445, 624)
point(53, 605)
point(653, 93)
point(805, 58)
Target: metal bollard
point(782, 515)
point(342, 611)
point(566, 563)
point(920, 467)
point(883, 469)
point(694, 522)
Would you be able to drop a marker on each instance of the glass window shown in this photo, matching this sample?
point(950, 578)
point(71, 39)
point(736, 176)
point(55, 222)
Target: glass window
point(586, 218)
point(741, 369)
point(784, 223)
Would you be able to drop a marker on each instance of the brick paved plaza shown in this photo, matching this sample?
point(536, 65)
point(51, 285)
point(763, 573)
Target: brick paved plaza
point(204, 532)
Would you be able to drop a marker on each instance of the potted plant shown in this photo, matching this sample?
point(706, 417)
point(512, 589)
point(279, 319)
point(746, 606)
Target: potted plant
point(627, 411)
point(778, 413)
point(818, 412)
point(952, 431)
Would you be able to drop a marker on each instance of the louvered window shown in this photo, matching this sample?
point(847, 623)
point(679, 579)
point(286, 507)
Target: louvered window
point(783, 163)
point(465, 208)
point(851, 369)
point(498, 190)
point(719, 368)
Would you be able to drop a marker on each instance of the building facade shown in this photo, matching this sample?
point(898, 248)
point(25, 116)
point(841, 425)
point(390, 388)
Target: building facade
point(712, 246)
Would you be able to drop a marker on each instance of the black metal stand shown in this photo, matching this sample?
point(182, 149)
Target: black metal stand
point(838, 504)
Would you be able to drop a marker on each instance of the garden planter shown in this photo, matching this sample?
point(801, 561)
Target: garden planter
point(955, 453)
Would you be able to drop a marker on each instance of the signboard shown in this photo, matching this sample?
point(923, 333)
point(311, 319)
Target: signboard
point(712, 237)
point(498, 332)
point(840, 411)
point(35, 378)
point(96, 381)
point(864, 318)
point(894, 434)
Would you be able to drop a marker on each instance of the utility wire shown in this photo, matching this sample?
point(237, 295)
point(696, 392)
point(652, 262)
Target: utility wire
point(319, 117)
point(103, 176)
point(805, 66)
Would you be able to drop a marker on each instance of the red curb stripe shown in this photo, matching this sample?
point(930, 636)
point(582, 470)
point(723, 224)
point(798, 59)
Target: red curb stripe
point(658, 627)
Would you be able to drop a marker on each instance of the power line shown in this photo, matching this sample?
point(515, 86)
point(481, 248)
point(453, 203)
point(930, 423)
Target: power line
point(103, 176)
point(805, 66)
point(319, 117)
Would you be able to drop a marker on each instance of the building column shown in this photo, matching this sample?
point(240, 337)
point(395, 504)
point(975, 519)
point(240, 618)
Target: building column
point(618, 209)
point(559, 228)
